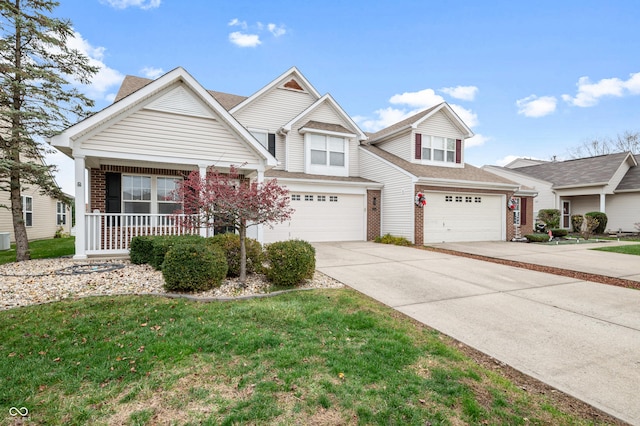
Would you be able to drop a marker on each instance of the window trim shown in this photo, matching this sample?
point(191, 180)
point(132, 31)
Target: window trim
point(61, 214)
point(517, 215)
point(153, 201)
point(28, 220)
point(327, 168)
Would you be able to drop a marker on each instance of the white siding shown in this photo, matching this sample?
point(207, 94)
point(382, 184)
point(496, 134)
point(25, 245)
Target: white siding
point(170, 135)
point(180, 101)
point(440, 125)
point(400, 146)
point(44, 216)
point(623, 211)
point(397, 195)
point(545, 199)
point(274, 109)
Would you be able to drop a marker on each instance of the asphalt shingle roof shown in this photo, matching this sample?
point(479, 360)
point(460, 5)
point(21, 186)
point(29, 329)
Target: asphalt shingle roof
point(326, 126)
point(294, 175)
point(466, 173)
point(581, 171)
point(631, 180)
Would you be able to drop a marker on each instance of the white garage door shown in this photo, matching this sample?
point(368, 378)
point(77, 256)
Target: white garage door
point(452, 217)
point(322, 217)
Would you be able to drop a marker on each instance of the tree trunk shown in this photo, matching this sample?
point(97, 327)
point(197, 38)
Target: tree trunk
point(19, 228)
point(243, 251)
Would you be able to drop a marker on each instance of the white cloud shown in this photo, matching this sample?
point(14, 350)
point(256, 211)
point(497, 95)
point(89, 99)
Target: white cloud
point(151, 72)
point(534, 106)
point(384, 118)
point(476, 140)
point(589, 93)
point(469, 117)
point(106, 78)
point(506, 160)
point(244, 40)
point(142, 4)
point(465, 93)
point(277, 31)
point(422, 99)
point(235, 22)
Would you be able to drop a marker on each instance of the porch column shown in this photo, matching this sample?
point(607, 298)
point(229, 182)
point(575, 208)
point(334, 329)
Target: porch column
point(80, 207)
point(202, 169)
point(603, 203)
point(260, 227)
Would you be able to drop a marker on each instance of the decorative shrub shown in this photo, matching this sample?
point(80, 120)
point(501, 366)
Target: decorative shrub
point(163, 243)
point(193, 267)
point(140, 251)
point(290, 262)
point(550, 217)
point(602, 221)
point(591, 224)
point(230, 245)
point(390, 239)
point(559, 232)
point(537, 238)
point(576, 222)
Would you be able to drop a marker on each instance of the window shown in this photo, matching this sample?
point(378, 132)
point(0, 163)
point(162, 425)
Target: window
point(308, 197)
point(27, 210)
point(448, 198)
point(136, 193)
point(333, 198)
point(295, 197)
point(262, 137)
point(322, 198)
point(468, 199)
point(166, 194)
point(61, 213)
point(327, 154)
point(477, 199)
point(437, 148)
point(458, 199)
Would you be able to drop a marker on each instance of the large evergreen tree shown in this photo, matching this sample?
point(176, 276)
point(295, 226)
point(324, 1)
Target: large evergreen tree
point(37, 99)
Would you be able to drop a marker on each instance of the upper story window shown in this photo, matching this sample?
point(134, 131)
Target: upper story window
point(266, 139)
point(326, 154)
point(438, 149)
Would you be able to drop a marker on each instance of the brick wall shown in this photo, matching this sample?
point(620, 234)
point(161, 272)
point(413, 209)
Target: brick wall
point(373, 214)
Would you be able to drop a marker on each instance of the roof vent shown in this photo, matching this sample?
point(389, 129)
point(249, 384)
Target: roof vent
point(293, 85)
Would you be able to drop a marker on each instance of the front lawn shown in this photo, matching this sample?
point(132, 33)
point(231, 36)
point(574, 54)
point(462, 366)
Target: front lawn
point(42, 249)
point(628, 249)
point(313, 357)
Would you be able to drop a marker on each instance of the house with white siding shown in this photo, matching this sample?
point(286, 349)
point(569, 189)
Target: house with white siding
point(605, 183)
point(344, 184)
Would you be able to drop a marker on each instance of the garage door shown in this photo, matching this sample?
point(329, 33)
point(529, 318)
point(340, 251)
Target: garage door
point(322, 217)
point(453, 217)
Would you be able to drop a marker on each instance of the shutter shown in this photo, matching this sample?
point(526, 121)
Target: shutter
point(418, 146)
point(523, 211)
point(113, 183)
point(271, 145)
point(458, 151)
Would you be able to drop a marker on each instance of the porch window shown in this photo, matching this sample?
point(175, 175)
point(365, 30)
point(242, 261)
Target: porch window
point(61, 214)
point(27, 210)
point(136, 194)
point(168, 200)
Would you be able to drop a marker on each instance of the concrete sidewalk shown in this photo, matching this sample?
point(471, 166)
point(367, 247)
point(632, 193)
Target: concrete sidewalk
point(580, 337)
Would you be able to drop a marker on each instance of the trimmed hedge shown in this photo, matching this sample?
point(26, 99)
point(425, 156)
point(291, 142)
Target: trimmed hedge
point(559, 232)
point(140, 251)
point(537, 238)
point(193, 267)
point(290, 262)
point(163, 243)
point(602, 221)
point(390, 239)
point(230, 244)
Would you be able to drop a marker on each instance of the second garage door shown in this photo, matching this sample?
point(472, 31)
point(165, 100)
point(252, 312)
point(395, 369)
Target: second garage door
point(454, 217)
point(322, 217)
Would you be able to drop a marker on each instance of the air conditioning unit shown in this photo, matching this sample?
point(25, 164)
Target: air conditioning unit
point(4, 241)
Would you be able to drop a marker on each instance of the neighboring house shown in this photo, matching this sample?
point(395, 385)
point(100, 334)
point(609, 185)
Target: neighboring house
point(341, 186)
point(606, 183)
point(43, 215)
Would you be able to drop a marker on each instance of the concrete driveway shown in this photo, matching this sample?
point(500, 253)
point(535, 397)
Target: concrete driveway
point(580, 337)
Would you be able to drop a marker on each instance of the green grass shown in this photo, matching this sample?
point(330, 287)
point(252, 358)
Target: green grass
point(319, 357)
point(42, 249)
point(627, 249)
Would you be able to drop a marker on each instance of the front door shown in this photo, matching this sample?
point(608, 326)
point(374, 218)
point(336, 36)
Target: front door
point(566, 214)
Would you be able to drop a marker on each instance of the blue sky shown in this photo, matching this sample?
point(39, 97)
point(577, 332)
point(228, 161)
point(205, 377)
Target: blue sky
point(531, 79)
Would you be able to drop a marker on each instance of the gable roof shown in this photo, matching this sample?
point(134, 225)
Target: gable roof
point(145, 91)
point(291, 73)
point(416, 119)
point(597, 170)
point(472, 176)
point(326, 126)
point(631, 181)
point(132, 84)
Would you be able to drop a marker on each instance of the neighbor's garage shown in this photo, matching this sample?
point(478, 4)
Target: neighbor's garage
point(322, 217)
point(455, 217)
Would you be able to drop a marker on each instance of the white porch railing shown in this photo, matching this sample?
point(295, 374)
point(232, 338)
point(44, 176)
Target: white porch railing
point(111, 233)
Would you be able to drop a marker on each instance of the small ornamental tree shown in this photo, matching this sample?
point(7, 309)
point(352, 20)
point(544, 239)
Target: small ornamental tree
point(228, 199)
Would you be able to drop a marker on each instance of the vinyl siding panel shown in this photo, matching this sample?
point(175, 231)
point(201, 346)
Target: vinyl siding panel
point(440, 125)
point(584, 204)
point(622, 211)
point(274, 109)
point(397, 195)
point(401, 146)
point(171, 135)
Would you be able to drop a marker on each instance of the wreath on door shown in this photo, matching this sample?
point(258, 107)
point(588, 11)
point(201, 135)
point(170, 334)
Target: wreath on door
point(511, 204)
point(421, 201)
